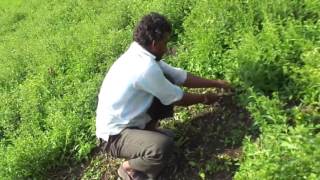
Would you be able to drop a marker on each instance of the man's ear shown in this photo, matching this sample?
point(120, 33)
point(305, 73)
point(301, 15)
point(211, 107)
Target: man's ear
point(153, 44)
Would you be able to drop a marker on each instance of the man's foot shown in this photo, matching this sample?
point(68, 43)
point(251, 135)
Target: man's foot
point(130, 175)
point(123, 173)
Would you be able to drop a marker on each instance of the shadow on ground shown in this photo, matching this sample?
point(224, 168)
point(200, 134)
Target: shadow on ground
point(208, 147)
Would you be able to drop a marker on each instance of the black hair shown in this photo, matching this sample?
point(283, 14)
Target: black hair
point(151, 27)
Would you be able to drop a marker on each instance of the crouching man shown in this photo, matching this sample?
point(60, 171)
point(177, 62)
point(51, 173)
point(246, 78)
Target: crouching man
point(140, 89)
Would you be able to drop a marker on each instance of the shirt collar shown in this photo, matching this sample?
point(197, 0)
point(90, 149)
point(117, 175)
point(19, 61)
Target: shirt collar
point(137, 47)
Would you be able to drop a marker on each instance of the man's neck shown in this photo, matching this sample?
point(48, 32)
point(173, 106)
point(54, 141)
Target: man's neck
point(157, 58)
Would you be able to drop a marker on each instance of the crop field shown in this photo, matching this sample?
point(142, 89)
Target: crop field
point(54, 55)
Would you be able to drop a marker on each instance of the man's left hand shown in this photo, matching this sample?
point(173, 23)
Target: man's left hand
point(223, 84)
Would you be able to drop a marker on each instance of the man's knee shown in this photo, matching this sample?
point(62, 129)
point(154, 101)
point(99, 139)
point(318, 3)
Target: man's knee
point(161, 149)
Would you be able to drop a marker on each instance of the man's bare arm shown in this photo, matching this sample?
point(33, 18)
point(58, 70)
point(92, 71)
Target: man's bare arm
point(191, 99)
point(193, 81)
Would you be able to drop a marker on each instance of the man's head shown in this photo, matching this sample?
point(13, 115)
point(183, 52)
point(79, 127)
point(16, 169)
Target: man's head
point(153, 33)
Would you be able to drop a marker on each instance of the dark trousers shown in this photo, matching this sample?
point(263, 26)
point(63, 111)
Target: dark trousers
point(147, 150)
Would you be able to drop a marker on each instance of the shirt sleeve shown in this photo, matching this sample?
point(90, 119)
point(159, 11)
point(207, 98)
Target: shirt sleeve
point(154, 82)
point(178, 75)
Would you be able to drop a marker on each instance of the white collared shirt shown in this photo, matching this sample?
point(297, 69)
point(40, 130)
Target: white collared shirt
point(128, 90)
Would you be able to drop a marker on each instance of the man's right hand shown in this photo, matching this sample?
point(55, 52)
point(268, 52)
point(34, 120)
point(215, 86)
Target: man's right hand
point(210, 98)
point(190, 99)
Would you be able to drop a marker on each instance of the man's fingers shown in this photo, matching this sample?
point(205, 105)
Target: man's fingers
point(211, 98)
point(224, 85)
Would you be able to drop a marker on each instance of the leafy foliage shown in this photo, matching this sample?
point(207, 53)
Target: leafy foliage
point(55, 54)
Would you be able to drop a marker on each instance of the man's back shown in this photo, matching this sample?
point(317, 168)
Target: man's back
point(119, 99)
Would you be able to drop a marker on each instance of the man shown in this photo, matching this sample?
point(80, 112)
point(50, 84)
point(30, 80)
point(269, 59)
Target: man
point(140, 89)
